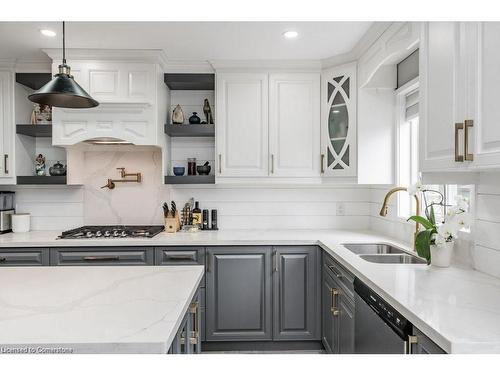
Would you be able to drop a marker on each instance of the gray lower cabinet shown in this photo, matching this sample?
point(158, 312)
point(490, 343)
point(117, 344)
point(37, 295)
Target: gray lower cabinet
point(337, 307)
point(296, 293)
point(424, 345)
point(24, 257)
point(239, 294)
point(101, 256)
point(328, 330)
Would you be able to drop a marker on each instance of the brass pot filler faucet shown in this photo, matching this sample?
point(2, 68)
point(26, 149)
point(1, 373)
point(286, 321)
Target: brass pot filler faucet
point(123, 174)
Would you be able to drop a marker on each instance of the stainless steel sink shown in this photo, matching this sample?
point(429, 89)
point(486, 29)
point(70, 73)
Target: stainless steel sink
point(382, 253)
point(373, 248)
point(392, 258)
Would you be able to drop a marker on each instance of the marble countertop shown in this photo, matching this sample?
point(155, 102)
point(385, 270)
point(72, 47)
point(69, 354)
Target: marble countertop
point(457, 307)
point(132, 309)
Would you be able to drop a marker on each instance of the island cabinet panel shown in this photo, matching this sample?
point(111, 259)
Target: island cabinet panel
point(101, 256)
point(24, 257)
point(296, 291)
point(239, 300)
point(424, 345)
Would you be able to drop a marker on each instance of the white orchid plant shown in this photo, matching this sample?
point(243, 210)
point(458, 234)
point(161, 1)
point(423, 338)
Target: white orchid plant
point(434, 233)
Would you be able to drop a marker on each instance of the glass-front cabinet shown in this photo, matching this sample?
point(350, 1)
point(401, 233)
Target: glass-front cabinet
point(338, 123)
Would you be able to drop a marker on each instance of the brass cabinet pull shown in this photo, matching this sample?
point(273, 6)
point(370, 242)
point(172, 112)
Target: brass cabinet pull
point(195, 334)
point(5, 164)
point(208, 262)
point(408, 345)
point(467, 124)
point(458, 157)
point(101, 258)
point(272, 163)
point(220, 163)
point(322, 163)
point(334, 292)
point(337, 274)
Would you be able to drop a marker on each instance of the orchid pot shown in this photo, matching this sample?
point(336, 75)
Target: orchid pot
point(435, 242)
point(441, 254)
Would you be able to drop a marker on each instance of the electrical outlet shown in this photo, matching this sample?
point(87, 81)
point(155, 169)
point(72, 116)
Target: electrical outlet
point(340, 209)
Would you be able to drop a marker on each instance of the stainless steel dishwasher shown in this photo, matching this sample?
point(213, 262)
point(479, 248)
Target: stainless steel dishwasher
point(379, 328)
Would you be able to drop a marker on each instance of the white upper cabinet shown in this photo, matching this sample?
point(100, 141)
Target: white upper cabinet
point(6, 128)
point(294, 124)
point(442, 99)
point(338, 121)
point(459, 81)
point(484, 81)
point(242, 124)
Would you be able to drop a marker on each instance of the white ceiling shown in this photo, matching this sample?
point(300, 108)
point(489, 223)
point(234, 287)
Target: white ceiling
point(188, 40)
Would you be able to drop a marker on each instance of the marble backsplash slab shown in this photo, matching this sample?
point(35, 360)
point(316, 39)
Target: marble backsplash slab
point(128, 202)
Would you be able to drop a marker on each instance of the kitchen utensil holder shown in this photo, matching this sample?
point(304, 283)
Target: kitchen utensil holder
point(172, 223)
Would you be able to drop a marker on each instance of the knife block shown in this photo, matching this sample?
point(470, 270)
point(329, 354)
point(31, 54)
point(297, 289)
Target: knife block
point(172, 223)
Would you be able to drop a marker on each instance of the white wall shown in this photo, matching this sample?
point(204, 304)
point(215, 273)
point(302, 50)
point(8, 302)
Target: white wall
point(59, 208)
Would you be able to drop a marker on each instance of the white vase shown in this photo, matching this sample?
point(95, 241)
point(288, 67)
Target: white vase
point(441, 254)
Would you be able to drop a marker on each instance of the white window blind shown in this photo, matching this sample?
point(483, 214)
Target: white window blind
point(411, 105)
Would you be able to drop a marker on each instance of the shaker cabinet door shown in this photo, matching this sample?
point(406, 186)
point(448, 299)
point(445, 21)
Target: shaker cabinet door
point(338, 121)
point(296, 293)
point(294, 124)
point(238, 300)
point(442, 96)
point(6, 128)
point(242, 125)
point(484, 138)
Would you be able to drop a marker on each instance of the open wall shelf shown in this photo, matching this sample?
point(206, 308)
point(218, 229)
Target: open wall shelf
point(185, 180)
point(34, 130)
point(190, 81)
point(196, 130)
point(41, 180)
point(33, 80)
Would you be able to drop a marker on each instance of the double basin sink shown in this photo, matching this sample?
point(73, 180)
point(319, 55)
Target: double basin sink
point(382, 253)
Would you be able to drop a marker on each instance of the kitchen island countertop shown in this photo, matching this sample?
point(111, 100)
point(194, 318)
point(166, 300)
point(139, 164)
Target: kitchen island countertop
point(129, 309)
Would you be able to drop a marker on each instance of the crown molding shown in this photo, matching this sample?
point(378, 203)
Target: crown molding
point(296, 65)
point(7, 64)
point(33, 66)
point(136, 55)
point(373, 33)
point(188, 66)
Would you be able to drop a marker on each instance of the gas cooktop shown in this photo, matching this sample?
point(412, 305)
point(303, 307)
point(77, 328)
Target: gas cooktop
point(113, 231)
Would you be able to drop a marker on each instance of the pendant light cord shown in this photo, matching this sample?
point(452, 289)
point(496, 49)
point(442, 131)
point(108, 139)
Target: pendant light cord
point(64, 45)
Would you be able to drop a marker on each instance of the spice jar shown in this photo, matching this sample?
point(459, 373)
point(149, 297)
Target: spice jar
point(191, 166)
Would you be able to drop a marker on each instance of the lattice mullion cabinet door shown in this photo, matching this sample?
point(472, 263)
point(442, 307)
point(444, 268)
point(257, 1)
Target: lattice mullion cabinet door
point(338, 121)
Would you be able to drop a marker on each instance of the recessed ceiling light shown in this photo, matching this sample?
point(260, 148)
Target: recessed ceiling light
point(47, 32)
point(290, 34)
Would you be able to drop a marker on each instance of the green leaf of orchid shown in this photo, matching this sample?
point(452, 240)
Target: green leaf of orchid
point(422, 244)
point(422, 220)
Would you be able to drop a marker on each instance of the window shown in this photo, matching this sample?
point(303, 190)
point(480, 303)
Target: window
point(407, 144)
point(407, 160)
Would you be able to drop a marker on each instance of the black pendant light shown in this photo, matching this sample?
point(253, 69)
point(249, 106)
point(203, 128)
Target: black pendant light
point(63, 91)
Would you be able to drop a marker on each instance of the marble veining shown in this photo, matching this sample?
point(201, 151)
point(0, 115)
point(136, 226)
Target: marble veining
point(129, 309)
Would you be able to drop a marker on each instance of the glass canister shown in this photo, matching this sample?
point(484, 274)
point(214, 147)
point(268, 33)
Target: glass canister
point(191, 166)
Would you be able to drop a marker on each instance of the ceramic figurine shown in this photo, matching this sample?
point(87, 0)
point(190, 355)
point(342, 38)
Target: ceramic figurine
point(194, 119)
point(35, 113)
point(40, 165)
point(177, 115)
point(208, 112)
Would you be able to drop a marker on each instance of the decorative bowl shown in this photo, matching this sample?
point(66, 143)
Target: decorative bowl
point(203, 169)
point(179, 171)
